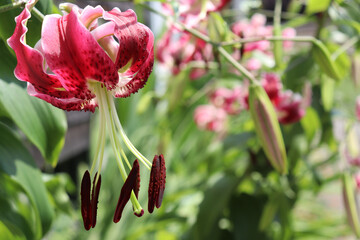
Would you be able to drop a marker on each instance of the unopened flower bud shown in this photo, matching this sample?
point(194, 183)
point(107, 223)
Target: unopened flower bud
point(267, 127)
point(352, 211)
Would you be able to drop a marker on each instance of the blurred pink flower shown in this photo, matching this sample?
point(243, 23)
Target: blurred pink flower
point(357, 181)
point(253, 64)
point(228, 99)
point(211, 118)
point(272, 85)
point(289, 107)
point(353, 159)
point(255, 28)
point(177, 48)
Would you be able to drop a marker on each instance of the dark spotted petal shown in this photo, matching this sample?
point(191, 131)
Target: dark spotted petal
point(129, 185)
point(135, 56)
point(72, 53)
point(85, 200)
point(30, 66)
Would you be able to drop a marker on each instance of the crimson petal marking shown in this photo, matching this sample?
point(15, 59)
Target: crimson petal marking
point(69, 104)
point(129, 185)
point(85, 200)
point(136, 45)
point(91, 59)
point(72, 52)
point(30, 61)
point(59, 57)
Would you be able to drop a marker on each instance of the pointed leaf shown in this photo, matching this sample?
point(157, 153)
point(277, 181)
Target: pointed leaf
point(17, 162)
point(43, 124)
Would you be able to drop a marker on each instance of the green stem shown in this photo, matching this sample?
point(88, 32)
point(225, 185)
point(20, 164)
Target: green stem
point(38, 14)
point(12, 6)
point(270, 38)
point(237, 65)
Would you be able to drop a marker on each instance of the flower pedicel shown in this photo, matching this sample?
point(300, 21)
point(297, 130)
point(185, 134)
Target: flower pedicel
point(79, 64)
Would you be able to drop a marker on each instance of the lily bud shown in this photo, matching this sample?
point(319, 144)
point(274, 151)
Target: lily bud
point(350, 203)
point(267, 127)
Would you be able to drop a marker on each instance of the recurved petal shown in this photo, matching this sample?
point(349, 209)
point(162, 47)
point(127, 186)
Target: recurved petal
point(135, 54)
point(30, 66)
point(69, 104)
point(72, 53)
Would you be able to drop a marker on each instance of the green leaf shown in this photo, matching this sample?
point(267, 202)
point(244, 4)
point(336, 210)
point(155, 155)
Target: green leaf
point(298, 71)
point(342, 61)
point(7, 22)
point(43, 124)
point(327, 92)
point(10, 231)
point(310, 123)
point(17, 162)
point(7, 64)
point(315, 6)
point(215, 200)
point(323, 59)
point(246, 211)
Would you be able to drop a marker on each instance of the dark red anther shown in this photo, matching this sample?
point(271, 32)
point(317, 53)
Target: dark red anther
point(89, 205)
point(85, 200)
point(157, 183)
point(137, 180)
point(94, 199)
point(129, 185)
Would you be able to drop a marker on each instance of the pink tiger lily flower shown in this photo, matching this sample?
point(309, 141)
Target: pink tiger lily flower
point(80, 64)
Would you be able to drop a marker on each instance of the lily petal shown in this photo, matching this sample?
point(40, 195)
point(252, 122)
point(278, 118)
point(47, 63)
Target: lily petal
point(30, 66)
point(69, 104)
point(72, 52)
point(136, 50)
